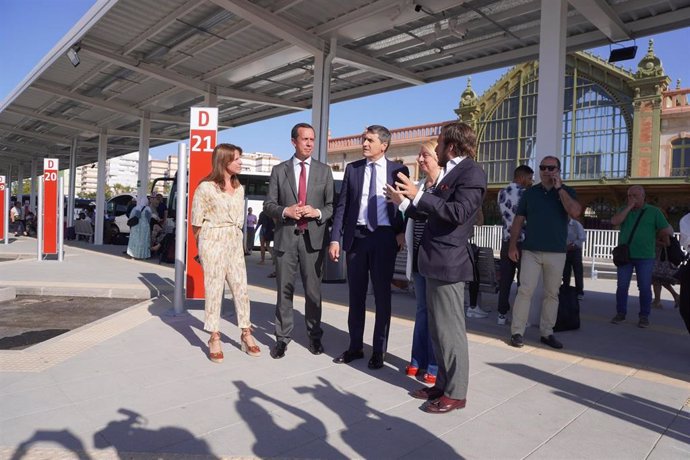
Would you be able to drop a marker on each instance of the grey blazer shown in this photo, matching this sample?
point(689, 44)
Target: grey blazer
point(282, 192)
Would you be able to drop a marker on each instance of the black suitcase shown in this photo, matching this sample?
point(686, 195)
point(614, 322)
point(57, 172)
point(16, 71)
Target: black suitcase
point(568, 310)
point(70, 234)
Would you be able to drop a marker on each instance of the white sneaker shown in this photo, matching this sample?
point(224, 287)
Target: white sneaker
point(476, 312)
point(502, 320)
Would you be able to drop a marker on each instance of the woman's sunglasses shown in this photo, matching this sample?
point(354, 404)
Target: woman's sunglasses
point(545, 167)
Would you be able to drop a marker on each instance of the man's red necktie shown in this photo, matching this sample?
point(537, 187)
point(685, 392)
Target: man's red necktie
point(302, 194)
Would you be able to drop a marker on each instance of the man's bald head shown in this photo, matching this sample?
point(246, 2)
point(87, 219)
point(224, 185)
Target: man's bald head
point(636, 194)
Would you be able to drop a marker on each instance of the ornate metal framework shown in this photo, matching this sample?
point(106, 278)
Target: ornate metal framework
point(597, 124)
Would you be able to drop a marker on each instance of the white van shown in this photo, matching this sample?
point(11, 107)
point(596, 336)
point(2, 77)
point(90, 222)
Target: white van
point(116, 212)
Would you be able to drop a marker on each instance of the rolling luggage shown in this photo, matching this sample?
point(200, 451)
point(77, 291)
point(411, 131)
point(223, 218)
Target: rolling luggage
point(568, 310)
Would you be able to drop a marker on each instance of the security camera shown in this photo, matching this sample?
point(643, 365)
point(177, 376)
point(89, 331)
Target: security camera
point(418, 8)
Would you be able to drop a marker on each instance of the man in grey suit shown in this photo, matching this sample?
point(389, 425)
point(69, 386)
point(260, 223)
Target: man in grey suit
point(300, 199)
point(446, 257)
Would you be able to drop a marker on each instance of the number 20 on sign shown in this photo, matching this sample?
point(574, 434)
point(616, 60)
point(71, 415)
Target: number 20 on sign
point(50, 206)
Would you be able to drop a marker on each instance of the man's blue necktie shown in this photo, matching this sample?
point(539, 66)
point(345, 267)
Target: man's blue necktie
point(372, 209)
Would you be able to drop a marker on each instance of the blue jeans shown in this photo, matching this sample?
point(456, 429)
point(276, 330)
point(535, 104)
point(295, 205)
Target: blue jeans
point(643, 270)
point(422, 349)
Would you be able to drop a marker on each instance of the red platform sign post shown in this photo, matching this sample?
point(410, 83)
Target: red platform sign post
point(202, 140)
point(3, 212)
point(50, 205)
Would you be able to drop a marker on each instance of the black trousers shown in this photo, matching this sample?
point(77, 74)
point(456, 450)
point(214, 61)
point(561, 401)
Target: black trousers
point(573, 263)
point(372, 255)
point(507, 271)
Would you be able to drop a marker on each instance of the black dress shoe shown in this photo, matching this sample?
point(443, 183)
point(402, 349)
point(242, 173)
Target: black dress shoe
point(552, 342)
point(315, 347)
point(516, 340)
point(349, 356)
point(376, 361)
point(278, 350)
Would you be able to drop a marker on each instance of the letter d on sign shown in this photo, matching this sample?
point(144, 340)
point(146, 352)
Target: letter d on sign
point(203, 118)
point(51, 164)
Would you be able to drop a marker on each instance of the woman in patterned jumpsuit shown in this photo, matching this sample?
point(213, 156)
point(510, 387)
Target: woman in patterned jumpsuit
point(217, 218)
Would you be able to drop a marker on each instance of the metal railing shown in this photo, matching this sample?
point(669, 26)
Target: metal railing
point(596, 251)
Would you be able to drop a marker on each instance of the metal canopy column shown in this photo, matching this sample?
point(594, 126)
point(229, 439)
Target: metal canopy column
point(32, 196)
point(211, 97)
point(321, 99)
point(552, 31)
point(100, 187)
point(20, 183)
point(549, 101)
point(72, 183)
point(144, 134)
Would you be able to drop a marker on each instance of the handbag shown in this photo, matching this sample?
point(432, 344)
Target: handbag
point(621, 253)
point(664, 271)
point(675, 254)
point(132, 221)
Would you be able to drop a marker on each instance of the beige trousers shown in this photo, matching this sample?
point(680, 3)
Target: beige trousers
point(534, 264)
point(221, 250)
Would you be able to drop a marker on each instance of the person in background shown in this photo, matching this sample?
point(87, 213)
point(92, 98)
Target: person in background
point(508, 199)
point(217, 219)
point(658, 283)
point(157, 235)
point(161, 209)
point(652, 225)
point(266, 229)
point(546, 208)
point(423, 360)
point(251, 231)
point(473, 309)
point(573, 256)
point(139, 245)
point(17, 217)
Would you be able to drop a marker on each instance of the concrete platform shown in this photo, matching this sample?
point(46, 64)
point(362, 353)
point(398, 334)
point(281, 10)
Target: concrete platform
point(137, 384)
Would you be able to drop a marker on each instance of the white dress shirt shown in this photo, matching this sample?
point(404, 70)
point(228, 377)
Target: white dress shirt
point(381, 209)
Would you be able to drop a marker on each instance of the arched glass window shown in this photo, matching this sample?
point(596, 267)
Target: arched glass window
point(680, 157)
point(596, 138)
point(595, 133)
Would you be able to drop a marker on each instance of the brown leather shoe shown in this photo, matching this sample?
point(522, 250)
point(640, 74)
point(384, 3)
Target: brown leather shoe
point(444, 404)
point(427, 393)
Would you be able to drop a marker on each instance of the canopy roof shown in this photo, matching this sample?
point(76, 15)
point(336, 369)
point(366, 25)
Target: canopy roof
point(257, 57)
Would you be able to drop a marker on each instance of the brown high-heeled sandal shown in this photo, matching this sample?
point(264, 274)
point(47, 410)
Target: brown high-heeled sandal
point(216, 357)
point(247, 343)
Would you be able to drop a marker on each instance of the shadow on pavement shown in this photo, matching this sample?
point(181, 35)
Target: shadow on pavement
point(627, 407)
point(131, 435)
point(63, 438)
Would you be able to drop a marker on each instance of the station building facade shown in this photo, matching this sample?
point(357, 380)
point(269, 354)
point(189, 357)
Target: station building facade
point(619, 128)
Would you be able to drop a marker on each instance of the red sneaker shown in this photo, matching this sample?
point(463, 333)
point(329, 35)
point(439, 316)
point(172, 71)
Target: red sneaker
point(411, 370)
point(428, 378)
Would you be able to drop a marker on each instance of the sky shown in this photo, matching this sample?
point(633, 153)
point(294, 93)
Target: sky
point(50, 20)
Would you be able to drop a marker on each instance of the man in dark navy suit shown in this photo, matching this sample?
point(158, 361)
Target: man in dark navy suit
point(446, 257)
point(370, 230)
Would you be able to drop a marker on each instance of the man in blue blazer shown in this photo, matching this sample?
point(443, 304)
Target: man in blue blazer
point(445, 257)
point(370, 230)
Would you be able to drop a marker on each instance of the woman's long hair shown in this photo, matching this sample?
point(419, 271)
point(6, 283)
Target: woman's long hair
point(222, 155)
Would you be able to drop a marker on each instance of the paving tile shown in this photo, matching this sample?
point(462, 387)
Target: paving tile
point(32, 401)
